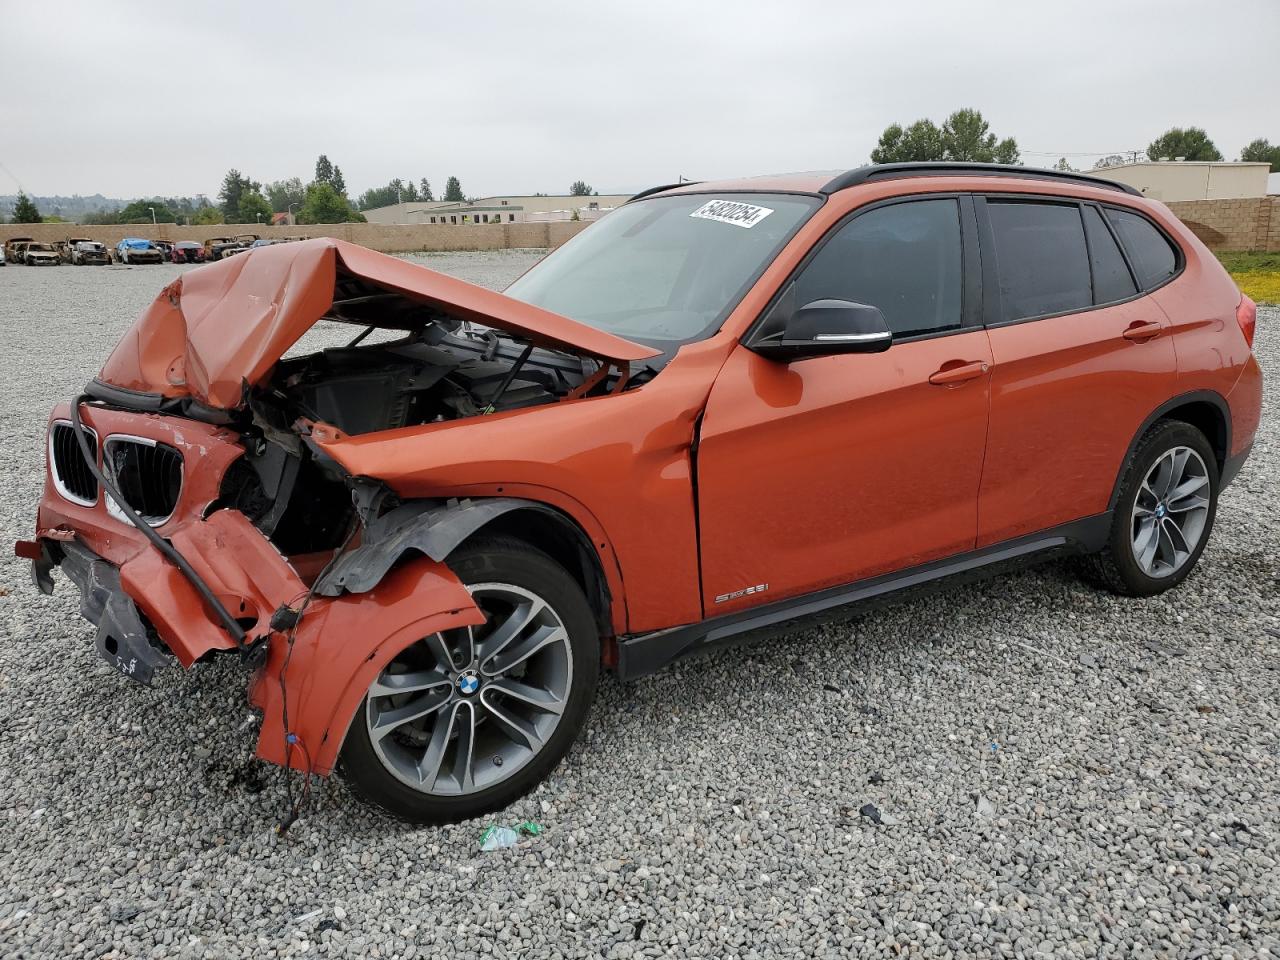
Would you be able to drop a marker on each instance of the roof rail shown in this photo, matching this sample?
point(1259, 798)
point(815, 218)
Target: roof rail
point(896, 171)
point(666, 186)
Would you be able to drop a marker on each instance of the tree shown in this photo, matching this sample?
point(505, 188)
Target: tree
point(580, 189)
point(964, 136)
point(1063, 165)
point(235, 185)
point(920, 141)
point(253, 208)
point(140, 212)
point(207, 216)
point(1261, 151)
point(453, 191)
point(325, 205)
point(1113, 160)
point(339, 183)
point(324, 170)
point(24, 211)
point(283, 193)
point(1189, 144)
point(424, 191)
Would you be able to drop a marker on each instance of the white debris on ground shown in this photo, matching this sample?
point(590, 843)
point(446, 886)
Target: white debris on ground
point(1053, 771)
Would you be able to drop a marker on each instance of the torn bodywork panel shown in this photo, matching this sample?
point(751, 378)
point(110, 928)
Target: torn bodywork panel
point(145, 610)
point(213, 331)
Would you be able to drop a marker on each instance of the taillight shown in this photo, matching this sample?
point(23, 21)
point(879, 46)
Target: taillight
point(1247, 317)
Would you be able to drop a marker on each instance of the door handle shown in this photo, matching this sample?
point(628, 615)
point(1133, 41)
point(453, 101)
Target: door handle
point(949, 376)
point(1142, 332)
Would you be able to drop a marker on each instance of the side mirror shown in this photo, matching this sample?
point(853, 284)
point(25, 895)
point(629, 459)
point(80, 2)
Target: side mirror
point(824, 328)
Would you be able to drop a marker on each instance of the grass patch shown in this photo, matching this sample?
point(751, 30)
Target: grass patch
point(1257, 274)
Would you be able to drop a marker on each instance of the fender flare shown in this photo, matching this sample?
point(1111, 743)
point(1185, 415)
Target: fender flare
point(431, 528)
point(1211, 397)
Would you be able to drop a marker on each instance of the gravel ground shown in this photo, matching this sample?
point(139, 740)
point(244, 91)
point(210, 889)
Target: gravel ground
point(1019, 768)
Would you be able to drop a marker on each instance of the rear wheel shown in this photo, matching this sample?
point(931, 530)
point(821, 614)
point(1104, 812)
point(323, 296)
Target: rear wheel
point(463, 722)
point(1163, 514)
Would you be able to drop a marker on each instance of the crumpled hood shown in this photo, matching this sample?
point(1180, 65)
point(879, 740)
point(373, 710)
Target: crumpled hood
point(226, 324)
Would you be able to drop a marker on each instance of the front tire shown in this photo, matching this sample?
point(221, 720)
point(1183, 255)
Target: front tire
point(464, 722)
point(1163, 515)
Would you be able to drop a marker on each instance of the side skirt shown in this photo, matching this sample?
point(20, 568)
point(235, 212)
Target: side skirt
point(643, 654)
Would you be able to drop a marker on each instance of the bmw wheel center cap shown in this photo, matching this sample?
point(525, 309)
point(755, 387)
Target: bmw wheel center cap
point(468, 683)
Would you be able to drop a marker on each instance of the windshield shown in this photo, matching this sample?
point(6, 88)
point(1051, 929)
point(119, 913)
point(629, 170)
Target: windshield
point(667, 270)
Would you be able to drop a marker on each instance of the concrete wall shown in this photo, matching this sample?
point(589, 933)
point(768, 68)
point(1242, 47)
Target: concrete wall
point(1178, 181)
point(403, 238)
point(1252, 224)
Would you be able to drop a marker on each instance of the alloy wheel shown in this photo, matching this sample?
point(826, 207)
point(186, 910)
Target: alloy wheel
point(461, 711)
point(1170, 512)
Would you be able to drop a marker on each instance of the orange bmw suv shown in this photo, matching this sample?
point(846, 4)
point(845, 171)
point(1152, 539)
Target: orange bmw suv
point(722, 409)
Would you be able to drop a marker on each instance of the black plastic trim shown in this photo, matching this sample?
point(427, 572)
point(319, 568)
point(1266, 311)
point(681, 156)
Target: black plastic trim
point(898, 171)
point(1232, 464)
point(124, 397)
point(661, 188)
point(1162, 411)
point(644, 654)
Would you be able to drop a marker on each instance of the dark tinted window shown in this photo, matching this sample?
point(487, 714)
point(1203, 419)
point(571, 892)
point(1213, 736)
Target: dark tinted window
point(903, 258)
point(1153, 259)
point(1042, 265)
point(1111, 278)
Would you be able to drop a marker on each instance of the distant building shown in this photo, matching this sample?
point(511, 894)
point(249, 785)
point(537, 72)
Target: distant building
point(1169, 180)
point(505, 209)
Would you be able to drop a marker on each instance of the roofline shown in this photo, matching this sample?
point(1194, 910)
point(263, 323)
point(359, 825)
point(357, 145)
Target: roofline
point(897, 171)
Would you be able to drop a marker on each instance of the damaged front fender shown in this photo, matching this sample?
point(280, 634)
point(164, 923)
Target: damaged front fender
point(312, 685)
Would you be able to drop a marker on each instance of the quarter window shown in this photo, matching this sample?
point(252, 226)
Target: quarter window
point(1041, 261)
point(1153, 259)
point(1111, 278)
point(903, 258)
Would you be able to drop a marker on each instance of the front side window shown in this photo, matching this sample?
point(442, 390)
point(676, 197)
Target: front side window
point(665, 270)
point(904, 258)
point(1153, 259)
point(1041, 262)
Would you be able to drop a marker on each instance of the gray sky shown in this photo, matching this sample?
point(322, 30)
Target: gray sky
point(162, 98)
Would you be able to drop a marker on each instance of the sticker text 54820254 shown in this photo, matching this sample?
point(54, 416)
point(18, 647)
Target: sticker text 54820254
point(732, 211)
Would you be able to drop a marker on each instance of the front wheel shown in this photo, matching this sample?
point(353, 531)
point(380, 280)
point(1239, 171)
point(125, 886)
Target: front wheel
point(466, 721)
point(1163, 514)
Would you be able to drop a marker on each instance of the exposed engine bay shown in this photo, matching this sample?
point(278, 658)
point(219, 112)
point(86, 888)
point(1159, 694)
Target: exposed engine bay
point(441, 369)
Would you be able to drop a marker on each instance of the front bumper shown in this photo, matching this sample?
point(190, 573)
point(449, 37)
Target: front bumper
point(145, 609)
point(123, 639)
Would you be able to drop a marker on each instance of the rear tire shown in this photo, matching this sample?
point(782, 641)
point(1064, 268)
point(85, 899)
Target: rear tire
point(1163, 515)
point(519, 711)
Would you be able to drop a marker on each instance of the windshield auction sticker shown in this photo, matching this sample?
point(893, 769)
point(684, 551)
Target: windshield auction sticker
point(730, 211)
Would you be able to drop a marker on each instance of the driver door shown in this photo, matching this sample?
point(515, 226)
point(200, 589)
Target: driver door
point(833, 469)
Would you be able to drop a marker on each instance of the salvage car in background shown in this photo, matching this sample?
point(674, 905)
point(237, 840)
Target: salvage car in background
point(133, 250)
point(187, 251)
point(165, 247)
point(13, 248)
point(41, 255)
point(80, 251)
point(722, 408)
point(219, 247)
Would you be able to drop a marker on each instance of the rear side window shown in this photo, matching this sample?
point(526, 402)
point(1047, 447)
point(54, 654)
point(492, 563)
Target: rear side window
point(903, 258)
point(1042, 264)
point(1111, 278)
point(1153, 259)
